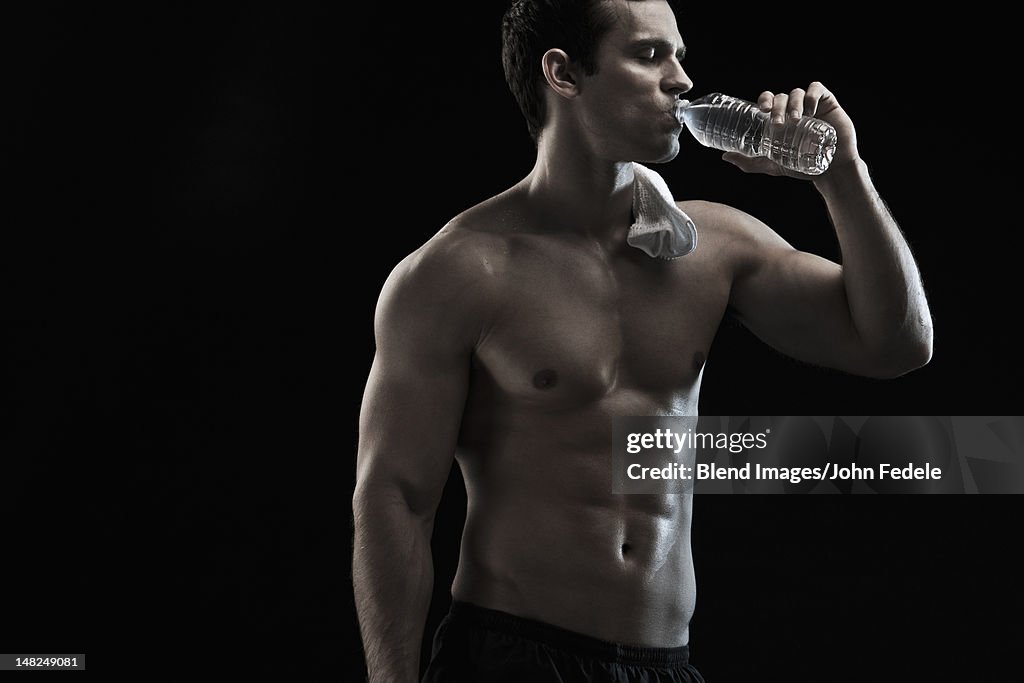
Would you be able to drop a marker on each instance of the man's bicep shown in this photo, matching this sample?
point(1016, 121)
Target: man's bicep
point(796, 302)
point(412, 407)
point(409, 424)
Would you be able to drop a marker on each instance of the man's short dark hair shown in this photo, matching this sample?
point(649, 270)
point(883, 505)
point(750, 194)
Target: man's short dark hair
point(532, 27)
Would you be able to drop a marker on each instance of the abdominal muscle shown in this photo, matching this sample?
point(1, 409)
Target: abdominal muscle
point(546, 539)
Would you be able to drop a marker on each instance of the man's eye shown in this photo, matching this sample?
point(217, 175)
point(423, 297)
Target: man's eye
point(647, 54)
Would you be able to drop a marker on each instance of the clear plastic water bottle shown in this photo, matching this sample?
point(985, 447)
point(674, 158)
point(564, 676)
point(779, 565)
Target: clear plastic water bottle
point(806, 144)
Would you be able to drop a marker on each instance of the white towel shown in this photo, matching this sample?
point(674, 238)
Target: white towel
point(661, 229)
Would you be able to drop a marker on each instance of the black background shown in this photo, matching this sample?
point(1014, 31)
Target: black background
point(201, 203)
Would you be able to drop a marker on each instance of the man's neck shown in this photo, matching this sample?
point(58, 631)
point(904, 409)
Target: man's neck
point(579, 193)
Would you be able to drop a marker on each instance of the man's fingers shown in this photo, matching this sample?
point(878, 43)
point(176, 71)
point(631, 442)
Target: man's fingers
point(816, 100)
point(795, 107)
point(779, 107)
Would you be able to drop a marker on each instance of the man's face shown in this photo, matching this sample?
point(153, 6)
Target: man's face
point(627, 107)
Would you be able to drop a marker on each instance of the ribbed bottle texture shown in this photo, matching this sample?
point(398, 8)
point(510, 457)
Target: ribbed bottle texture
point(806, 144)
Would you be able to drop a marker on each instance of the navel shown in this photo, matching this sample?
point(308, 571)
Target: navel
point(545, 379)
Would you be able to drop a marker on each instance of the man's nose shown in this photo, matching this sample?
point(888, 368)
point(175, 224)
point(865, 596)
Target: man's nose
point(677, 82)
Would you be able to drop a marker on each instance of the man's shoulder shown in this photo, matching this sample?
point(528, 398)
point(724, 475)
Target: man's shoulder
point(719, 217)
point(464, 258)
point(727, 226)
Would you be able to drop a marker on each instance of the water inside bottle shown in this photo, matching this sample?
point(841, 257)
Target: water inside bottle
point(806, 144)
point(734, 127)
point(730, 124)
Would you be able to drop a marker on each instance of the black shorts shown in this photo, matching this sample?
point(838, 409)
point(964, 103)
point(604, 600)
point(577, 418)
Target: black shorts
point(479, 645)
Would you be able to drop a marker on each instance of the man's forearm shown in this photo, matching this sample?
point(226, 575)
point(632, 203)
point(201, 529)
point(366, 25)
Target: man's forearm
point(393, 576)
point(883, 284)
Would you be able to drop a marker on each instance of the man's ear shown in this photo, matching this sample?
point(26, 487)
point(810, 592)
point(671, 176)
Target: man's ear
point(560, 73)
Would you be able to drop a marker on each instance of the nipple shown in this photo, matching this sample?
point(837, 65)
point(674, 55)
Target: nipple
point(545, 379)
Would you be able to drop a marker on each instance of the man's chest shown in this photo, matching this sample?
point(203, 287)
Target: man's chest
point(573, 328)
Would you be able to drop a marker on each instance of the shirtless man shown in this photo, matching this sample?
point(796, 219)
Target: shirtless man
point(511, 339)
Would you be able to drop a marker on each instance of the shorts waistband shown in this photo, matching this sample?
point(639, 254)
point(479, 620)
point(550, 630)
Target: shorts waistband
point(566, 640)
